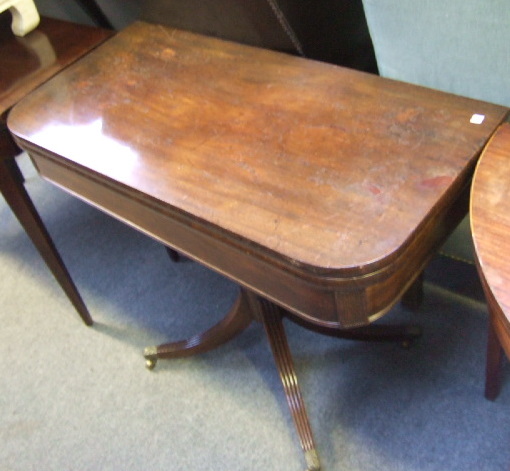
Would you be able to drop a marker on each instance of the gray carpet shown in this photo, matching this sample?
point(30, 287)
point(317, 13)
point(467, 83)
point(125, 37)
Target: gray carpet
point(78, 398)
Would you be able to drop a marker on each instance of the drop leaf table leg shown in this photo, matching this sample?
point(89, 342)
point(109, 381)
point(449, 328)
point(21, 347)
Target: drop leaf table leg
point(16, 196)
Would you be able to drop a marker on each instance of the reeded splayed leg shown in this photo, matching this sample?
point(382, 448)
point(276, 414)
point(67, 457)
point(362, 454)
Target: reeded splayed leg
point(237, 319)
point(271, 317)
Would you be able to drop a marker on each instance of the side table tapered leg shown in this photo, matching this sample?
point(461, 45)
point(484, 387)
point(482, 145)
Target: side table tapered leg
point(13, 190)
point(271, 317)
point(493, 367)
point(96, 13)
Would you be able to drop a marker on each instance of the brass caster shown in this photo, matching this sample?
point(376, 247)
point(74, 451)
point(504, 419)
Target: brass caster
point(151, 357)
point(312, 460)
point(407, 344)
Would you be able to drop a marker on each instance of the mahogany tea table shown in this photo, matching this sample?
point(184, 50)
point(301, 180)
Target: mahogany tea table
point(321, 191)
point(26, 63)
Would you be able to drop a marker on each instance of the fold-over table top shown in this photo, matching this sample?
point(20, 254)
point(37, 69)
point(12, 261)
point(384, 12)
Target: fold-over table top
point(331, 169)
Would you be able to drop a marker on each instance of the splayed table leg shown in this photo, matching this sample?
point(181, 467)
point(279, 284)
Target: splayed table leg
point(237, 319)
point(271, 317)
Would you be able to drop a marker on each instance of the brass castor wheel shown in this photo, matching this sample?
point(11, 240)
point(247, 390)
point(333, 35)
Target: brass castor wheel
point(151, 357)
point(312, 460)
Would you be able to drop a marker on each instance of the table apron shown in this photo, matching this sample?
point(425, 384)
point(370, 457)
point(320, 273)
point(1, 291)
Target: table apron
point(337, 302)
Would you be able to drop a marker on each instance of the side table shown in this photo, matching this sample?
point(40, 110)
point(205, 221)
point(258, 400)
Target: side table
point(490, 224)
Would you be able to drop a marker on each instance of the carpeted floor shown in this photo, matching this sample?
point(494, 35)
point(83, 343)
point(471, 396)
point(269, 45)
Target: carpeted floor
point(78, 398)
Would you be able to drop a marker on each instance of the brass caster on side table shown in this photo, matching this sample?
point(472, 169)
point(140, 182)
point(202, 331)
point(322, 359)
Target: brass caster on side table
point(312, 460)
point(151, 357)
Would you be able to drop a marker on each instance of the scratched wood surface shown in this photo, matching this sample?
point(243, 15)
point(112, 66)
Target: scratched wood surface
point(331, 169)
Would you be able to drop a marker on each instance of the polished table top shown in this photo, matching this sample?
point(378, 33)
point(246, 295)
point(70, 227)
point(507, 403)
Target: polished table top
point(29, 61)
point(334, 182)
